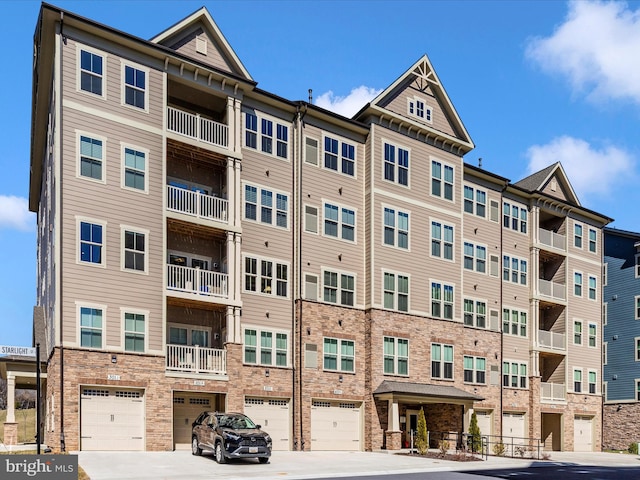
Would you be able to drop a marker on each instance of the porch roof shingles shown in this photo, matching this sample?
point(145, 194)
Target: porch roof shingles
point(425, 389)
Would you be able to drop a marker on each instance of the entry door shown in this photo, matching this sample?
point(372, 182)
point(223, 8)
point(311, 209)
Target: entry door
point(583, 434)
point(412, 425)
point(484, 422)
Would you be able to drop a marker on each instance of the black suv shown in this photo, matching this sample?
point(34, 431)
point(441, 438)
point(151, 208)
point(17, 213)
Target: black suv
point(229, 435)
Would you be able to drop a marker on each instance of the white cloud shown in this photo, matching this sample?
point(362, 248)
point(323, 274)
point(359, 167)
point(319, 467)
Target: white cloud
point(15, 214)
point(350, 104)
point(591, 171)
point(596, 49)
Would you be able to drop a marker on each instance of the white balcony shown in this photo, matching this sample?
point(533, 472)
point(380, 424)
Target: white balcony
point(197, 282)
point(553, 290)
point(552, 392)
point(198, 128)
point(551, 340)
point(195, 359)
point(552, 239)
point(197, 204)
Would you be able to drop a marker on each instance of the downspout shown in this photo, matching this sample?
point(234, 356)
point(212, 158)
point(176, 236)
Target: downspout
point(501, 313)
point(58, 103)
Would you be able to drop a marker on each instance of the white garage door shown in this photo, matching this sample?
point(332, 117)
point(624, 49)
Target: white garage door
point(484, 422)
point(186, 408)
point(583, 434)
point(274, 417)
point(335, 426)
point(513, 428)
point(111, 419)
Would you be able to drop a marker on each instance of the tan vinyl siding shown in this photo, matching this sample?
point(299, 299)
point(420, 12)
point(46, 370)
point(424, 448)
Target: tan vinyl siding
point(186, 45)
point(556, 188)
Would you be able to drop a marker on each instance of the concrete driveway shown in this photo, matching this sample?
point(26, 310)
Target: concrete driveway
point(301, 465)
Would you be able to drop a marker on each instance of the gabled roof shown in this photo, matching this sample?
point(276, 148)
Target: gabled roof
point(203, 17)
point(424, 71)
point(536, 182)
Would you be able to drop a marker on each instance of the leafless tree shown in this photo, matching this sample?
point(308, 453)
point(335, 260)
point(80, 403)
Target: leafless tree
point(3, 394)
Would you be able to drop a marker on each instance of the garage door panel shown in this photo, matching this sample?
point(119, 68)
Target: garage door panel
point(513, 425)
point(484, 422)
point(186, 408)
point(111, 419)
point(274, 417)
point(335, 426)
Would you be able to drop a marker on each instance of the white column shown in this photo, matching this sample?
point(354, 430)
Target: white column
point(238, 121)
point(237, 192)
point(231, 268)
point(231, 331)
point(236, 322)
point(11, 398)
point(237, 247)
point(393, 423)
point(231, 193)
point(231, 123)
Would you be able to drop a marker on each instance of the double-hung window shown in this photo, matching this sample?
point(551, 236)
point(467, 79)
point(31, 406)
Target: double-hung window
point(441, 180)
point(338, 288)
point(134, 250)
point(577, 380)
point(441, 300)
point(475, 201)
point(339, 222)
point(441, 361)
point(135, 86)
point(267, 135)
point(339, 156)
point(577, 284)
point(593, 236)
point(251, 130)
point(396, 164)
point(577, 235)
point(135, 169)
point(475, 313)
point(514, 270)
point(577, 332)
point(259, 204)
point(91, 158)
point(396, 356)
point(592, 287)
point(91, 72)
point(339, 355)
point(514, 217)
point(264, 347)
point(514, 374)
point(441, 240)
point(593, 333)
point(91, 324)
point(91, 242)
point(396, 291)
point(396, 228)
point(134, 332)
point(266, 276)
point(514, 322)
point(475, 369)
point(475, 257)
point(592, 381)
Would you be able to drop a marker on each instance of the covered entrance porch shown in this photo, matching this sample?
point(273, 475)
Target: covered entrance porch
point(445, 408)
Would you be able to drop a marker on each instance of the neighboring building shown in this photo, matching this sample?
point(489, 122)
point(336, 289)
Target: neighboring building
point(621, 340)
point(204, 244)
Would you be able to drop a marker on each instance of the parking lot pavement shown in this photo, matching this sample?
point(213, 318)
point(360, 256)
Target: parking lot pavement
point(300, 465)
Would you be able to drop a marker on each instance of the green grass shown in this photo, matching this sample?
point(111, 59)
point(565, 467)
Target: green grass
point(26, 425)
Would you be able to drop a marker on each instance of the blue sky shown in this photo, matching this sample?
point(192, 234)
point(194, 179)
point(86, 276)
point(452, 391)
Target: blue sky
point(534, 83)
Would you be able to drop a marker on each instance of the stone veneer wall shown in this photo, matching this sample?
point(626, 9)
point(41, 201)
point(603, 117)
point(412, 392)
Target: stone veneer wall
point(621, 425)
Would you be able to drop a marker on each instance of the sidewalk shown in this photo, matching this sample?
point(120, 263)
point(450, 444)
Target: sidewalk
point(304, 465)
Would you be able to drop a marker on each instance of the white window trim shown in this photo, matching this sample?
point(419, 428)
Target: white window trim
point(396, 168)
point(341, 140)
point(520, 207)
point(453, 188)
point(475, 201)
point(573, 236)
point(147, 96)
point(339, 354)
point(441, 240)
point(396, 356)
point(519, 363)
point(79, 220)
point(582, 334)
point(637, 263)
point(124, 146)
point(274, 219)
point(605, 354)
point(304, 210)
point(589, 277)
point(520, 260)
point(396, 211)
point(442, 361)
point(573, 380)
point(487, 265)
point(104, 55)
point(635, 307)
point(304, 286)
point(475, 370)
point(135, 311)
point(442, 302)
point(82, 133)
point(339, 287)
point(275, 121)
point(274, 332)
point(319, 148)
point(274, 278)
point(340, 223)
point(145, 232)
point(487, 314)
point(79, 305)
point(189, 328)
point(520, 312)
point(395, 273)
point(190, 256)
point(589, 230)
point(591, 370)
point(573, 284)
point(427, 107)
point(605, 274)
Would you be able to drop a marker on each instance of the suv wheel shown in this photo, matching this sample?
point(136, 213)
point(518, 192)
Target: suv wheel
point(219, 453)
point(195, 449)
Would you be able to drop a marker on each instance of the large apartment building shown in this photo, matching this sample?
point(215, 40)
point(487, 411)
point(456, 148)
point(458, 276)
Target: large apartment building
point(206, 245)
point(621, 340)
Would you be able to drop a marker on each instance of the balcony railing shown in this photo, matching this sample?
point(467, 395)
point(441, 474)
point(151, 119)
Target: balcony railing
point(552, 239)
point(554, 341)
point(197, 281)
point(554, 392)
point(197, 204)
point(194, 126)
point(195, 359)
point(556, 291)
